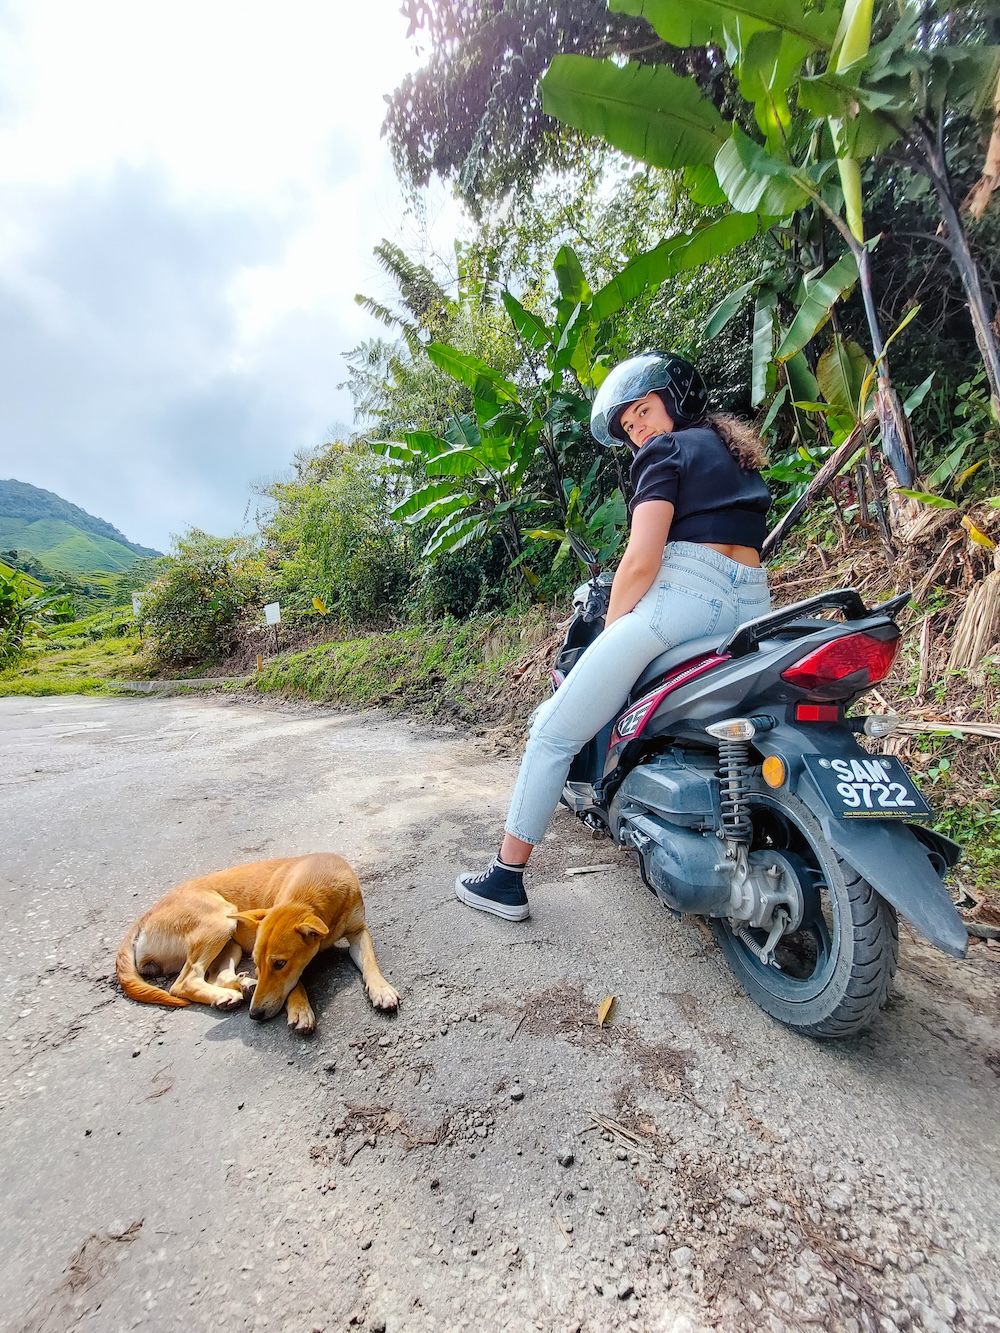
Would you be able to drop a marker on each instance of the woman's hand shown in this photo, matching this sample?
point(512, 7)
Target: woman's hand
point(643, 556)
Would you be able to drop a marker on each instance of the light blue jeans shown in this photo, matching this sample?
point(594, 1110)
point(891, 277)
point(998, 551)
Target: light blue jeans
point(697, 592)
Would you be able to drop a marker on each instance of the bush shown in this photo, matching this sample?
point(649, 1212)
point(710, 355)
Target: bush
point(329, 536)
point(376, 580)
point(474, 581)
point(212, 587)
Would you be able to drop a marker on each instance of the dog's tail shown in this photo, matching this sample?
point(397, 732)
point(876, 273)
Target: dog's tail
point(134, 986)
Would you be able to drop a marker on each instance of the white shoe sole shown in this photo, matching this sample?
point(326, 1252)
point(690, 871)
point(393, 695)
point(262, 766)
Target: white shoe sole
point(508, 911)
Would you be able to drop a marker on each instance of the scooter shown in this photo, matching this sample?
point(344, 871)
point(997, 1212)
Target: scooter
point(736, 777)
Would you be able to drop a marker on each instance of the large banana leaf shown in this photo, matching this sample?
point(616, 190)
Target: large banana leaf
point(573, 325)
point(768, 66)
point(841, 372)
point(647, 111)
point(762, 346)
point(392, 449)
point(702, 186)
point(721, 314)
point(755, 181)
point(422, 444)
point(532, 329)
point(491, 455)
point(573, 286)
point(481, 378)
point(801, 381)
point(821, 294)
point(439, 508)
point(648, 271)
point(454, 533)
point(421, 501)
point(861, 130)
point(764, 41)
point(416, 444)
point(731, 23)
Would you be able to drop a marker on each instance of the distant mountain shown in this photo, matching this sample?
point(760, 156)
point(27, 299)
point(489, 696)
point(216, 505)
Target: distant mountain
point(62, 535)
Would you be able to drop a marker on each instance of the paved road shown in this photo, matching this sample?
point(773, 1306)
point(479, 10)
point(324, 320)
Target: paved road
point(187, 1170)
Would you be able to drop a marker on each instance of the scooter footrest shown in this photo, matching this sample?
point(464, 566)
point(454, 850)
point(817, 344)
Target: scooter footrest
point(578, 795)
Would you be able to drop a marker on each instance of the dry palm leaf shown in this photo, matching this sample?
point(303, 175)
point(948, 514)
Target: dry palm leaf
point(978, 627)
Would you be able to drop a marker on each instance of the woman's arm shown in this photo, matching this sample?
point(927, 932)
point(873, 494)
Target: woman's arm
point(643, 555)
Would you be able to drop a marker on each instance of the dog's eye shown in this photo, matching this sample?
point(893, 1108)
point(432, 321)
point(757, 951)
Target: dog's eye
point(279, 963)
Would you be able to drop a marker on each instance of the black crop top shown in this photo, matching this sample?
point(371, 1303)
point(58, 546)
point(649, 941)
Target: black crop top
point(714, 499)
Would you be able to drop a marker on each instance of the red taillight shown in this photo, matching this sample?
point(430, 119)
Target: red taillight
point(857, 660)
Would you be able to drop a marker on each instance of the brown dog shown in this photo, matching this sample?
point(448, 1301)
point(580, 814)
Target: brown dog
point(284, 911)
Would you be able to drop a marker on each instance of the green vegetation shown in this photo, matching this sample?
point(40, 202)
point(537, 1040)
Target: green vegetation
point(27, 611)
point(330, 542)
point(193, 610)
point(85, 669)
point(444, 670)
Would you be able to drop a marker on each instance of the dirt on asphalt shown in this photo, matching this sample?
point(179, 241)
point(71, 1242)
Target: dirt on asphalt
point(491, 1157)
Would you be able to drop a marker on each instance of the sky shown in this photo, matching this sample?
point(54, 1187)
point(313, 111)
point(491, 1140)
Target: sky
point(190, 193)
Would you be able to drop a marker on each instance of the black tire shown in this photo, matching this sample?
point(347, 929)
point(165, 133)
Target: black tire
point(834, 971)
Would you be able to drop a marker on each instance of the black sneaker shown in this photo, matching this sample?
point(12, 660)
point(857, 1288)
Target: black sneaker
point(499, 890)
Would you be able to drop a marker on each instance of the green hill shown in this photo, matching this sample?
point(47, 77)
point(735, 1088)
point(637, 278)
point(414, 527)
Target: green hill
point(62, 535)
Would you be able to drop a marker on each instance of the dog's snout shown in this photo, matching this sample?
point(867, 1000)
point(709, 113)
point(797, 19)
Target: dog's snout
point(259, 1015)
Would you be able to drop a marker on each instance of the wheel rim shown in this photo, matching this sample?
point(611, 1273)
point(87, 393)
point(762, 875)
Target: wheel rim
point(806, 959)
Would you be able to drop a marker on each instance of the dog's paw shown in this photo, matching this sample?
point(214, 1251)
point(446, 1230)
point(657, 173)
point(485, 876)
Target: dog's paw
point(302, 1021)
point(384, 997)
point(247, 985)
point(231, 1000)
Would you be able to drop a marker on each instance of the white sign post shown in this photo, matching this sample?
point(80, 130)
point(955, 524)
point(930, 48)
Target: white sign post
point(136, 606)
point(272, 616)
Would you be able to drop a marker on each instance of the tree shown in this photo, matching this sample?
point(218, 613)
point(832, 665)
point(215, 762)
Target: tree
point(774, 50)
point(500, 467)
point(210, 588)
point(473, 113)
point(329, 539)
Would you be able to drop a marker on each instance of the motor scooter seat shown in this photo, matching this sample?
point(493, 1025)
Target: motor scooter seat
point(676, 657)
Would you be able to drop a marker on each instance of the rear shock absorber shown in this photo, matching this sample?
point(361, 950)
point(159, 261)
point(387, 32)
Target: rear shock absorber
point(734, 782)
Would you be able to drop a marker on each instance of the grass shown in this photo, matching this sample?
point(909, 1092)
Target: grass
point(457, 670)
point(85, 669)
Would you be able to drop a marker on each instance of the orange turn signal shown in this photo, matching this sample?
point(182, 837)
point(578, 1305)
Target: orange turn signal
point(774, 771)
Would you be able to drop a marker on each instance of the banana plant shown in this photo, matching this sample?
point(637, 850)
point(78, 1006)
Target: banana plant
point(508, 461)
point(27, 611)
point(474, 477)
point(849, 101)
point(600, 524)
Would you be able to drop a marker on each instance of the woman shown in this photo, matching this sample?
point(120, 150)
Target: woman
point(696, 482)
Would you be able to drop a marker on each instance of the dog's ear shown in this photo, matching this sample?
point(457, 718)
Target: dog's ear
point(312, 928)
point(252, 918)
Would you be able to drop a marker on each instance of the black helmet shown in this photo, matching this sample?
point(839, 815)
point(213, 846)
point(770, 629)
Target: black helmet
point(678, 380)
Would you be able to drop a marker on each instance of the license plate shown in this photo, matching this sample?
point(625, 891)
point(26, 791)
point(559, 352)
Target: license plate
point(867, 787)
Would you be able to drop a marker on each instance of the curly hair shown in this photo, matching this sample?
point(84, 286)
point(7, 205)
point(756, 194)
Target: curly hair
point(740, 439)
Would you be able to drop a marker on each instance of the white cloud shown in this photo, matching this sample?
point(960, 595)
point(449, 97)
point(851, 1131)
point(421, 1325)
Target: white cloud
point(189, 196)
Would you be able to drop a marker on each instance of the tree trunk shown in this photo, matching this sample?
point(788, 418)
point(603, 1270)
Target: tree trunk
point(957, 243)
point(894, 426)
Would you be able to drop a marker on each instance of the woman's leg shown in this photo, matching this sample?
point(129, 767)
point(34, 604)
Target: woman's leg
point(592, 694)
point(698, 592)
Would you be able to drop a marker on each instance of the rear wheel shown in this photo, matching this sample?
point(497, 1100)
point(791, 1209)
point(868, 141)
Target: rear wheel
point(831, 975)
